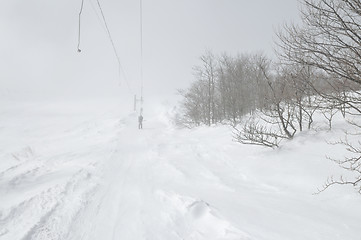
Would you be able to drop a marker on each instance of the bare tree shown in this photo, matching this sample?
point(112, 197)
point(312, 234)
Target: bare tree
point(256, 133)
point(277, 120)
point(330, 41)
point(194, 106)
point(207, 74)
point(351, 163)
point(225, 88)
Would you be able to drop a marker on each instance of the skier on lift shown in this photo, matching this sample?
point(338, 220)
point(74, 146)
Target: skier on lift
point(140, 121)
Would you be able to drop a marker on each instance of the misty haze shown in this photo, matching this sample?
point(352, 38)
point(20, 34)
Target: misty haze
point(194, 120)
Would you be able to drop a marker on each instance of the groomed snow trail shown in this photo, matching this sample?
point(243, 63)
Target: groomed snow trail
point(102, 178)
point(138, 197)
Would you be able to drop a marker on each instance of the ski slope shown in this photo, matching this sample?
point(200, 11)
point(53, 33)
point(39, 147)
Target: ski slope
point(70, 172)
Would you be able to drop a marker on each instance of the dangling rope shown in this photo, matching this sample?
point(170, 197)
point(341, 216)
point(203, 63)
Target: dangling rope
point(81, 11)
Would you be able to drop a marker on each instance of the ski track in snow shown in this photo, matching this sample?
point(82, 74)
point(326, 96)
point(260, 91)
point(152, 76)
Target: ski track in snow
point(113, 181)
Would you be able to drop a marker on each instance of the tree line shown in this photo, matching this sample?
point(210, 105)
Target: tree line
point(225, 89)
point(318, 69)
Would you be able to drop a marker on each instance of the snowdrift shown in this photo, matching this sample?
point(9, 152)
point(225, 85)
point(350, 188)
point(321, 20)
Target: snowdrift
point(70, 172)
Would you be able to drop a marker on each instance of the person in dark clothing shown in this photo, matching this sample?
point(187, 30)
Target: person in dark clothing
point(140, 121)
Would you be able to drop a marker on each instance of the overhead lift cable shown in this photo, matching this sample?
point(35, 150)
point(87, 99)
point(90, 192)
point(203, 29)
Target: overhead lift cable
point(120, 67)
point(81, 11)
point(141, 54)
point(97, 14)
point(141, 100)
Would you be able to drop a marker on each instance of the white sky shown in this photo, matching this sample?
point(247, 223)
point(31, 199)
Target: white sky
point(38, 43)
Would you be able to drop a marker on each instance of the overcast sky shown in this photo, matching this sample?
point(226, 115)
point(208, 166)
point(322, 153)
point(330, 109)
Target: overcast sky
point(38, 44)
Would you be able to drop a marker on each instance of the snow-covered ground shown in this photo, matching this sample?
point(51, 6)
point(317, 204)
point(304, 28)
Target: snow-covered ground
point(72, 171)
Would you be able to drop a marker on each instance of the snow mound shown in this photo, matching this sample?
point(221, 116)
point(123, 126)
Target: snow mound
point(197, 219)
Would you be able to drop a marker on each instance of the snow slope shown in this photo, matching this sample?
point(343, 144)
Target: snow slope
point(70, 172)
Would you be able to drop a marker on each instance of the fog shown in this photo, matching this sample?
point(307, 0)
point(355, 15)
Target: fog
point(38, 45)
